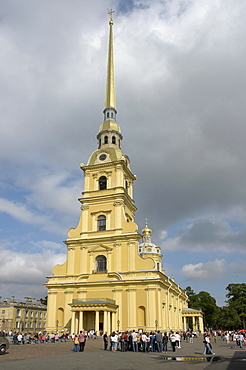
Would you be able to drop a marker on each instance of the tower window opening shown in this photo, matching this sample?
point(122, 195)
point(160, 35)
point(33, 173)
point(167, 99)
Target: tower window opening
point(105, 139)
point(99, 143)
point(101, 264)
point(119, 143)
point(126, 185)
point(103, 183)
point(113, 140)
point(112, 115)
point(108, 115)
point(101, 223)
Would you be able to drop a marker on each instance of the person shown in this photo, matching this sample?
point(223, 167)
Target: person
point(152, 341)
point(207, 346)
point(114, 340)
point(148, 342)
point(173, 341)
point(144, 341)
point(164, 342)
point(177, 340)
point(82, 340)
point(241, 340)
point(135, 341)
point(75, 343)
point(158, 338)
point(105, 341)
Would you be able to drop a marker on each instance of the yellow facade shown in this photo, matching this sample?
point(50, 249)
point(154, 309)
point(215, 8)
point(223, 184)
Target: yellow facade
point(27, 316)
point(110, 280)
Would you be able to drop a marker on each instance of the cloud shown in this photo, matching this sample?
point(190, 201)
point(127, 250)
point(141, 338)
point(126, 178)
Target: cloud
point(212, 270)
point(180, 84)
point(27, 270)
point(207, 234)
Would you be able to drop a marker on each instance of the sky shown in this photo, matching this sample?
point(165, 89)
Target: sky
point(180, 90)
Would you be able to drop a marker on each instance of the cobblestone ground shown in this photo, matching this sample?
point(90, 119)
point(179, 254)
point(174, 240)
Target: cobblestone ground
point(25, 351)
point(61, 356)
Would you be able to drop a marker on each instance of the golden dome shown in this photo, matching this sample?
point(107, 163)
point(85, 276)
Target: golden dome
point(146, 230)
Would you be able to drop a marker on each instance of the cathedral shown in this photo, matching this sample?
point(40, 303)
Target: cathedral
point(112, 278)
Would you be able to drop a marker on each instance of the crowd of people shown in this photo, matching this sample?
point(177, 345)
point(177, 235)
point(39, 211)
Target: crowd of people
point(136, 341)
point(145, 341)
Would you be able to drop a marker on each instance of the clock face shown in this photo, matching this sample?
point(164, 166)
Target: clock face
point(102, 157)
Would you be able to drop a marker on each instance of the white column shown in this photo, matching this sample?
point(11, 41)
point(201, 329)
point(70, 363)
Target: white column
point(105, 322)
point(109, 322)
point(73, 322)
point(81, 323)
point(97, 322)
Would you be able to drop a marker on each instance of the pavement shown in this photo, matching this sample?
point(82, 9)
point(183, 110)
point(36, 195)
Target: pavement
point(61, 356)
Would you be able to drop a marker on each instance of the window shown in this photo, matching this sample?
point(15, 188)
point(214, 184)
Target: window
point(108, 114)
point(101, 223)
point(18, 312)
point(105, 139)
point(26, 314)
point(101, 264)
point(112, 115)
point(113, 140)
point(103, 183)
point(99, 146)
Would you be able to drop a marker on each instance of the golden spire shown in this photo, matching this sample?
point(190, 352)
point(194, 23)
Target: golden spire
point(110, 91)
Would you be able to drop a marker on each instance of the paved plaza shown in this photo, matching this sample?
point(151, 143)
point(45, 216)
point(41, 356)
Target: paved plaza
point(60, 356)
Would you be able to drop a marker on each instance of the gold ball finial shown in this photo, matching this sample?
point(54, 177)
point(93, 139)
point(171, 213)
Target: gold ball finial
point(146, 230)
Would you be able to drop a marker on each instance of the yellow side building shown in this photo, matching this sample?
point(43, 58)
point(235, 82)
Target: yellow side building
point(111, 279)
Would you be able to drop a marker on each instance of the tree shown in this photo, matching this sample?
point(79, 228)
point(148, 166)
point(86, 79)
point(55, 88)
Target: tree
point(206, 303)
point(237, 300)
point(228, 318)
point(44, 300)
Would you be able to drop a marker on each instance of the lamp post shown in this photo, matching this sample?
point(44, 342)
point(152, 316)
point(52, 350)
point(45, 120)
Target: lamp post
point(118, 325)
point(3, 319)
point(156, 324)
point(57, 322)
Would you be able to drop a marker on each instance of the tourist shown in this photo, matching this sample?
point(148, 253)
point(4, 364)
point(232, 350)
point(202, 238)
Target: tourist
point(82, 340)
point(158, 339)
point(75, 343)
point(173, 341)
point(207, 346)
point(105, 341)
point(135, 341)
point(114, 340)
point(164, 342)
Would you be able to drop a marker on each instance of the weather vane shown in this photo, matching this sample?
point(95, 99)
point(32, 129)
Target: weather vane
point(110, 12)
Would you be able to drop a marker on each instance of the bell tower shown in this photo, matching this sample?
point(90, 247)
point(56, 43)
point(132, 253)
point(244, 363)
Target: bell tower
point(109, 280)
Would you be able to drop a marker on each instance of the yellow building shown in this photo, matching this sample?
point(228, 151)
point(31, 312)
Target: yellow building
point(111, 281)
point(28, 315)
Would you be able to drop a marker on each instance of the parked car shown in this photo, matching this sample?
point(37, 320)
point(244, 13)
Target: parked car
point(4, 344)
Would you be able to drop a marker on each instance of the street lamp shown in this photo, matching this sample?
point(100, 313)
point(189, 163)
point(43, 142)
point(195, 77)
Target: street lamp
point(118, 325)
point(3, 319)
point(156, 324)
point(57, 322)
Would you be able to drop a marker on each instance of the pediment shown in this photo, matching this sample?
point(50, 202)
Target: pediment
point(99, 248)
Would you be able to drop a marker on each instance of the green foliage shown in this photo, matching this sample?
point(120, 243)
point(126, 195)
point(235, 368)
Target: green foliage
point(232, 316)
point(44, 300)
point(206, 303)
point(228, 318)
point(237, 300)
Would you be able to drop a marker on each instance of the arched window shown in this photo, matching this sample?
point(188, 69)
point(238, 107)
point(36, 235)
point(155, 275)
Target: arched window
point(105, 139)
point(101, 264)
point(102, 183)
point(101, 223)
point(108, 114)
point(113, 140)
point(112, 115)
